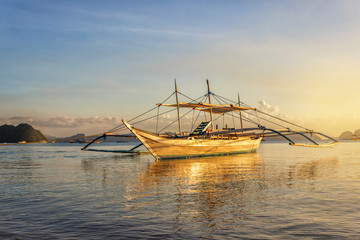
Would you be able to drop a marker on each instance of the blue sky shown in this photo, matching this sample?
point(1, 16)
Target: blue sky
point(74, 60)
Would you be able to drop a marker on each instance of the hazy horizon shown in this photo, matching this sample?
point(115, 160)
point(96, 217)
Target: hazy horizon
point(65, 126)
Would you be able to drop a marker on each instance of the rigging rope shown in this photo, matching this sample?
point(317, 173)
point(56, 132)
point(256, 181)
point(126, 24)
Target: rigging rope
point(193, 100)
point(268, 115)
point(246, 119)
point(142, 114)
point(176, 120)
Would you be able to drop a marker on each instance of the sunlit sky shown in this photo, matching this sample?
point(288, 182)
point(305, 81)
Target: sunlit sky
point(80, 66)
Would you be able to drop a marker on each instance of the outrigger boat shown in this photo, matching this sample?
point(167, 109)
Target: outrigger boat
point(205, 139)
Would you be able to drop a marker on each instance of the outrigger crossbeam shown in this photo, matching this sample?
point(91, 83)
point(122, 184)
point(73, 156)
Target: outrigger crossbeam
point(131, 151)
point(284, 133)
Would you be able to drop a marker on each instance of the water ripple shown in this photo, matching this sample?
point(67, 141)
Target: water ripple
point(59, 192)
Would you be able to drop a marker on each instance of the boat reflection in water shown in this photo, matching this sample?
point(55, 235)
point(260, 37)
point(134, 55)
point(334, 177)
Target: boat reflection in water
point(208, 175)
point(210, 193)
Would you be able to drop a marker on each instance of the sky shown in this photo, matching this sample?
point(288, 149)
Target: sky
point(70, 67)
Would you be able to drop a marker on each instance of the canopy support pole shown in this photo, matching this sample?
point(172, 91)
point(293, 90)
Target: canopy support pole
point(178, 109)
point(211, 116)
point(157, 119)
point(241, 121)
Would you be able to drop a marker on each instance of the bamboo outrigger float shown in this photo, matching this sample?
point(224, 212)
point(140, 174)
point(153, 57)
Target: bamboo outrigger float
point(205, 140)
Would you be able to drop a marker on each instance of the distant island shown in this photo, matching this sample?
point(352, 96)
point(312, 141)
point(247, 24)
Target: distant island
point(20, 134)
point(348, 135)
point(81, 138)
point(78, 138)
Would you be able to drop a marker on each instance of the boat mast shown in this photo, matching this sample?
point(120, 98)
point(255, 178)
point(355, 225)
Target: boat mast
point(241, 121)
point(211, 117)
point(178, 109)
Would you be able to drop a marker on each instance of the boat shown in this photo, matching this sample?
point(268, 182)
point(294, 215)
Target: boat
point(205, 143)
point(206, 139)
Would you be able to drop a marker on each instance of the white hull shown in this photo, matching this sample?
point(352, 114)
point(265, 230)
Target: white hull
point(167, 148)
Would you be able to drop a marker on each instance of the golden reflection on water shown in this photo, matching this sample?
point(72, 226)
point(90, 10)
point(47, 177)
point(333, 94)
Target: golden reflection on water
point(211, 191)
point(208, 172)
point(203, 189)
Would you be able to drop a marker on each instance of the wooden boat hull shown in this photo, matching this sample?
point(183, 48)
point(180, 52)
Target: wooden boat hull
point(169, 148)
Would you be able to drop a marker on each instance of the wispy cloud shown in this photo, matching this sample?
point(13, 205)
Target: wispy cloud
point(265, 107)
point(64, 125)
point(169, 32)
point(62, 122)
point(59, 17)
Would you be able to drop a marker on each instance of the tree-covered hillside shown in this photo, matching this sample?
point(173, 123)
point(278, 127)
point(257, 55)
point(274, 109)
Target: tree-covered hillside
point(22, 132)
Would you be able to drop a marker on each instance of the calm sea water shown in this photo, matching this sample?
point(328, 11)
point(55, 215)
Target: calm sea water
point(56, 191)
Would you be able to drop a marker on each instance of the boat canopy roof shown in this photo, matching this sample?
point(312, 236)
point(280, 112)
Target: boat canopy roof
point(206, 107)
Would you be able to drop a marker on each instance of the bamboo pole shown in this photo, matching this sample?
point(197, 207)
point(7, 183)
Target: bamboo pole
point(211, 116)
point(241, 121)
point(178, 109)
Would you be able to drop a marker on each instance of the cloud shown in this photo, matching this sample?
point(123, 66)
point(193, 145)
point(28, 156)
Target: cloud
point(62, 121)
point(64, 125)
point(265, 107)
point(15, 120)
point(332, 125)
point(168, 32)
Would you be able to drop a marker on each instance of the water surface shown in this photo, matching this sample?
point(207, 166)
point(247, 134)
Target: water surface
point(56, 191)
